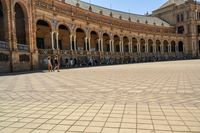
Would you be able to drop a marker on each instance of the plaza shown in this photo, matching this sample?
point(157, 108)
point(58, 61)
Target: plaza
point(161, 97)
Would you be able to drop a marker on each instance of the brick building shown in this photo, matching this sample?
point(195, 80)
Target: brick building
point(32, 30)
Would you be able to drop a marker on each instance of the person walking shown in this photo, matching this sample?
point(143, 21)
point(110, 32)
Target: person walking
point(49, 64)
point(56, 62)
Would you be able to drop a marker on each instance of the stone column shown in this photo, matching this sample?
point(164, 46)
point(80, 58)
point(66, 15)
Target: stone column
point(110, 44)
point(71, 38)
point(102, 45)
point(52, 40)
point(130, 47)
point(75, 45)
point(161, 48)
point(99, 45)
point(138, 48)
point(169, 48)
point(122, 45)
point(89, 43)
point(154, 48)
point(113, 48)
point(57, 42)
point(86, 43)
point(146, 48)
point(176, 48)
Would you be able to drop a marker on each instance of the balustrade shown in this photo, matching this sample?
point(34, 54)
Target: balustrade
point(4, 45)
point(22, 47)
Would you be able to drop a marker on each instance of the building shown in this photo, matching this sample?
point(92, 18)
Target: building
point(32, 30)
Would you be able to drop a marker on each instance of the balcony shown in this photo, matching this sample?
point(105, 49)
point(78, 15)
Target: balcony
point(22, 47)
point(4, 45)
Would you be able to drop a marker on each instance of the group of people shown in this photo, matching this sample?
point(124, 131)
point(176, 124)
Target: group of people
point(77, 62)
point(53, 64)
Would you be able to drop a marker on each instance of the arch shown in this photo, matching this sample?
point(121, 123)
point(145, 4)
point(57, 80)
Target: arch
point(165, 46)
point(158, 48)
point(94, 41)
point(80, 39)
point(43, 34)
point(20, 23)
point(2, 22)
point(106, 39)
point(150, 45)
point(63, 24)
point(117, 43)
point(64, 37)
point(134, 43)
point(180, 46)
point(142, 45)
point(126, 42)
point(173, 46)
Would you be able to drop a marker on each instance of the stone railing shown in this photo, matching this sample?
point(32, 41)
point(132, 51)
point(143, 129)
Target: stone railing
point(4, 45)
point(45, 51)
point(94, 52)
point(65, 52)
point(22, 47)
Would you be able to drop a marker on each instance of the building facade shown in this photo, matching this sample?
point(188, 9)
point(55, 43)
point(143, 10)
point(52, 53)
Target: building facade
point(32, 30)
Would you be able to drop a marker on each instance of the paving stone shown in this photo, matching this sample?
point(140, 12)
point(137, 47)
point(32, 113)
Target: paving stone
point(161, 97)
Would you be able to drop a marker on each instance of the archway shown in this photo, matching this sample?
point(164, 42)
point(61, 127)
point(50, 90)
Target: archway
point(20, 23)
point(158, 49)
point(173, 46)
point(94, 41)
point(134, 43)
point(106, 44)
point(165, 45)
point(150, 46)
point(142, 45)
point(2, 24)
point(180, 46)
point(116, 43)
point(64, 37)
point(125, 42)
point(43, 36)
point(80, 39)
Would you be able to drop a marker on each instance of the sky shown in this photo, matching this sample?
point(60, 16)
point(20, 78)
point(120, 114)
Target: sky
point(132, 6)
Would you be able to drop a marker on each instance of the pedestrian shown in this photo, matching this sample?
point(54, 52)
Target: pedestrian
point(57, 65)
point(49, 64)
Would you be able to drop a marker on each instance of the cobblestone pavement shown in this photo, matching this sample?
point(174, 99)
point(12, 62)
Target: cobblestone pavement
point(139, 98)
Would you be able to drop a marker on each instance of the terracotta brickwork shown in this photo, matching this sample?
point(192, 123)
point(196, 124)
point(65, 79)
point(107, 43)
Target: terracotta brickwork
point(35, 29)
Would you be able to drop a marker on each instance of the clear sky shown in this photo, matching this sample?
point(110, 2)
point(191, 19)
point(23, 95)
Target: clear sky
point(134, 6)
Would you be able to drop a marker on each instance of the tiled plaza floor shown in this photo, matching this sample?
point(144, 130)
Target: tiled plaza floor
point(140, 98)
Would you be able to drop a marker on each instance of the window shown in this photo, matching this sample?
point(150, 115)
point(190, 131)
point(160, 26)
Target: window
point(177, 18)
point(180, 30)
point(40, 43)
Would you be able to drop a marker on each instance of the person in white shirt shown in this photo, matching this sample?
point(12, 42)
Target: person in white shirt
point(49, 64)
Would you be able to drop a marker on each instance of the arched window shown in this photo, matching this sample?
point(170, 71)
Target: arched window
point(20, 24)
point(64, 37)
point(106, 44)
point(80, 39)
point(43, 36)
point(116, 43)
point(94, 41)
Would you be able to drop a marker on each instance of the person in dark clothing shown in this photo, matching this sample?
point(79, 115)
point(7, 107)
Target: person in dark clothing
point(57, 65)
